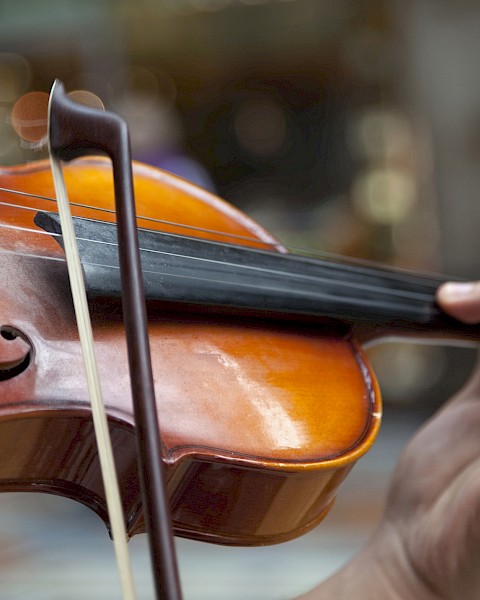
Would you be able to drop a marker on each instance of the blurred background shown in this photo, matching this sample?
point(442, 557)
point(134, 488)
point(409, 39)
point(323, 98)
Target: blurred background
point(350, 127)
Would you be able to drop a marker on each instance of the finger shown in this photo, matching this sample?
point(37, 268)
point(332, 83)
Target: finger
point(461, 300)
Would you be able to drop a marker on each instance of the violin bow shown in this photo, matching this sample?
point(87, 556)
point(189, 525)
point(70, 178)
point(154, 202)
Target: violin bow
point(76, 130)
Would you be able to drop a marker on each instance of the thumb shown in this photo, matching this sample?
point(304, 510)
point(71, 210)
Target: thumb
point(461, 300)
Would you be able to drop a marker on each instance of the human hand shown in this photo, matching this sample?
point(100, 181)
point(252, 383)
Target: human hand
point(427, 546)
point(434, 500)
point(461, 300)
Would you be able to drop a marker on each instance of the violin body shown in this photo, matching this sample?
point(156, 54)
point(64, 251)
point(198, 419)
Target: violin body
point(261, 418)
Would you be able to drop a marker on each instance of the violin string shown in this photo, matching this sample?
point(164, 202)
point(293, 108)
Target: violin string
point(268, 288)
point(292, 292)
point(166, 233)
point(36, 256)
point(251, 268)
point(406, 295)
point(387, 271)
point(175, 275)
point(225, 234)
point(297, 251)
point(26, 194)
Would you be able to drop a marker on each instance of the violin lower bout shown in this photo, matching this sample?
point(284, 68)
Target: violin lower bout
point(244, 506)
point(218, 499)
point(212, 502)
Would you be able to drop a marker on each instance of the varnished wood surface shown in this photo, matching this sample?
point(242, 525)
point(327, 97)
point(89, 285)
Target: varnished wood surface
point(298, 404)
point(45, 539)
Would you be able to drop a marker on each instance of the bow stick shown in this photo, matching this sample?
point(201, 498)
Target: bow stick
point(76, 130)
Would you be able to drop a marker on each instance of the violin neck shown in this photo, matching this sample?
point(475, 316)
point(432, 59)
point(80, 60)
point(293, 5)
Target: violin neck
point(239, 280)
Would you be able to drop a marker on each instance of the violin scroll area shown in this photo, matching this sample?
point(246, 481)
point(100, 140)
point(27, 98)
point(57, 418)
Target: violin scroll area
point(15, 352)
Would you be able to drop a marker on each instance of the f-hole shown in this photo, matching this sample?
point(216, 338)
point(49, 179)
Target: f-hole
point(15, 352)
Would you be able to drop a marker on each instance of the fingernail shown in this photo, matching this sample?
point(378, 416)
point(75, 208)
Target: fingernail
point(457, 290)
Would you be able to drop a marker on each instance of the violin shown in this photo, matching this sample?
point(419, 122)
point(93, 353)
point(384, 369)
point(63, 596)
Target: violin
point(266, 398)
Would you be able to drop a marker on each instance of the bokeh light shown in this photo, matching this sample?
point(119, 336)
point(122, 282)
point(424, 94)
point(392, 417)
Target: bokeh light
point(30, 116)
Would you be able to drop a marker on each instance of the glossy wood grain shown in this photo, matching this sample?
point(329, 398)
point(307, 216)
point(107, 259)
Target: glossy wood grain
point(261, 420)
